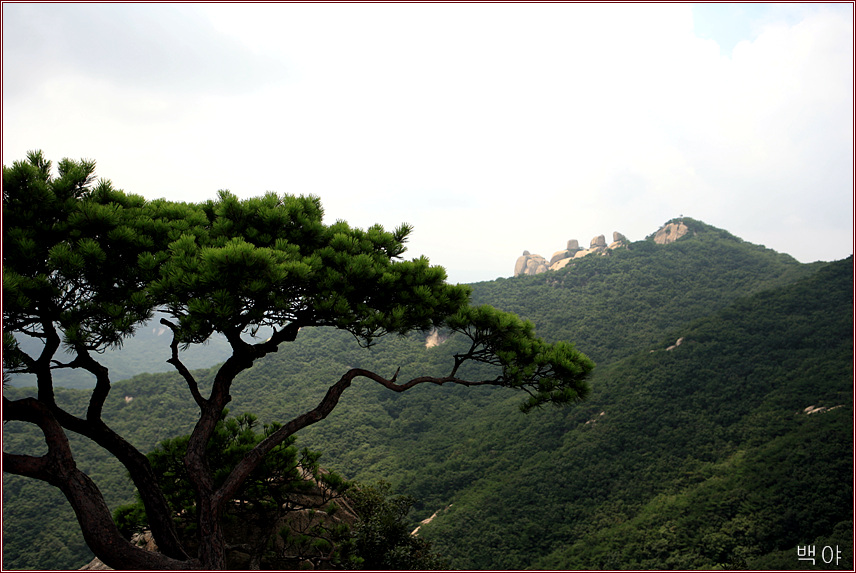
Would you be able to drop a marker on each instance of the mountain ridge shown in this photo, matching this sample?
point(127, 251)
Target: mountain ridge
point(671, 231)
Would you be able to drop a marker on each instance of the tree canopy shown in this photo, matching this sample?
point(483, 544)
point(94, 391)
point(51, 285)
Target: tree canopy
point(85, 264)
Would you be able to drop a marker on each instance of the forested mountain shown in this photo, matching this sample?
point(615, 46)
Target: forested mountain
point(729, 449)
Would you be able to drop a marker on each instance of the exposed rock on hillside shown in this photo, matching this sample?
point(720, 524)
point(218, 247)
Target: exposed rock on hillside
point(670, 233)
point(142, 540)
point(819, 409)
point(429, 520)
point(618, 240)
point(529, 264)
point(435, 339)
point(573, 247)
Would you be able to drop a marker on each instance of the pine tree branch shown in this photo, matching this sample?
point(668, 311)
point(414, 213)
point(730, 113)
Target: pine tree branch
point(253, 458)
point(31, 333)
point(28, 466)
point(182, 369)
point(102, 382)
point(41, 366)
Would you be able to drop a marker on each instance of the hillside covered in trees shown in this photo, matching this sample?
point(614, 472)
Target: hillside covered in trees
point(718, 433)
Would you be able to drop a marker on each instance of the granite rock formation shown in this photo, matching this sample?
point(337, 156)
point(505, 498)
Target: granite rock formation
point(530, 264)
point(670, 233)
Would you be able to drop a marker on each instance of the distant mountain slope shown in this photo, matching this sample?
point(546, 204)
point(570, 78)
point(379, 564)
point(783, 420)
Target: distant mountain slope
point(703, 456)
point(662, 429)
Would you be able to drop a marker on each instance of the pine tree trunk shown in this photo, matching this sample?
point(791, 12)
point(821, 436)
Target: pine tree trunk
point(212, 543)
point(209, 502)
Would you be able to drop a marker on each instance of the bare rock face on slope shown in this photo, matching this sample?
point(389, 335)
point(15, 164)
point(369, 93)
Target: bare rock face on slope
point(529, 264)
point(618, 240)
point(670, 233)
point(597, 246)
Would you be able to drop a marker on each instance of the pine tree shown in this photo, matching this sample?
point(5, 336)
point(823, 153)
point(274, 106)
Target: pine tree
point(85, 264)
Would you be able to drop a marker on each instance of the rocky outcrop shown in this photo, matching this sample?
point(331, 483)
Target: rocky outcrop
point(819, 409)
point(566, 253)
point(143, 540)
point(428, 520)
point(597, 245)
point(560, 264)
point(618, 240)
point(435, 338)
point(529, 264)
point(670, 233)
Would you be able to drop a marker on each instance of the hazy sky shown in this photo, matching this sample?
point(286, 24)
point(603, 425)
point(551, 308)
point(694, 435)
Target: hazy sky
point(492, 128)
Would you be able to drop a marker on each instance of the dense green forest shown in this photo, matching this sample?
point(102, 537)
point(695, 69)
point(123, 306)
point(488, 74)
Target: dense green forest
point(699, 455)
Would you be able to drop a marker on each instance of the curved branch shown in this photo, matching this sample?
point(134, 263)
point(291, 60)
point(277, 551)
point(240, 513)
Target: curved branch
point(251, 461)
point(27, 466)
point(451, 379)
point(287, 333)
point(102, 380)
point(140, 470)
point(32, 333)
point(179, 365)
point(102, 384)
point(41, 366)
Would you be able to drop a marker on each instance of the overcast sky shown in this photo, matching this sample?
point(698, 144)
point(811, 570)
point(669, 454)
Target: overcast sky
point(490, 128)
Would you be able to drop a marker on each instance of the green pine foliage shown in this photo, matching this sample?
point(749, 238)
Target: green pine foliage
point(380, 539)
point(61, 250)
